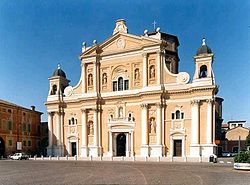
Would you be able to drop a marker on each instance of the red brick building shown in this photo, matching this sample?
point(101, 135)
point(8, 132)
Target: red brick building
point(18, 125)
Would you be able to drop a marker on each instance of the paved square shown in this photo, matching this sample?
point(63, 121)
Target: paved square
point(81, 172)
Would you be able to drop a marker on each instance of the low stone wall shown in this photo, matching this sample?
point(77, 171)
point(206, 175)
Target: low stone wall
point(128, 159)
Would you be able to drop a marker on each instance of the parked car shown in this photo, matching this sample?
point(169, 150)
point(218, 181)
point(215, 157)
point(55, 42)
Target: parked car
point(227, 154)
point(19, 156)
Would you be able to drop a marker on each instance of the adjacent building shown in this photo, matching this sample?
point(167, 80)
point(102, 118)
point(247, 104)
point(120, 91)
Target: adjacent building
point(18, 128)
point(234, 134)
point(131, 100)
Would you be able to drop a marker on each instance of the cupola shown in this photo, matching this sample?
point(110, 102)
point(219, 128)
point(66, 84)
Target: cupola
point(204, 49)
point(59, 72)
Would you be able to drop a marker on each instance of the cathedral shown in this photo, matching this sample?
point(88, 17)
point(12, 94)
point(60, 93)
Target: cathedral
point(132, 101)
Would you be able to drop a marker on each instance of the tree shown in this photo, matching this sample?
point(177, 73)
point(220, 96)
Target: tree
point(248, 139)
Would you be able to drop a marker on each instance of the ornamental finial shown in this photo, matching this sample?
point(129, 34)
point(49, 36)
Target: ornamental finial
point(203, 42)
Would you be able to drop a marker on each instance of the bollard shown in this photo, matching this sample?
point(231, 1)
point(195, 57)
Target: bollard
point(67, 157)
point(75, 157)
point(49, 157)
point(35, 157)
point(57, 157)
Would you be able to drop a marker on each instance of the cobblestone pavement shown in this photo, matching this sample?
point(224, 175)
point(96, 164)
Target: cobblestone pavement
point(82, 172)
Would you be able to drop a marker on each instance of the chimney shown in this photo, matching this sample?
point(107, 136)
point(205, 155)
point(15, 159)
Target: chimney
point(33, 108)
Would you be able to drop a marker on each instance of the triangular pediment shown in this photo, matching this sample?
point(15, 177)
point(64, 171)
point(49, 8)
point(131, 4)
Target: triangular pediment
point(121, 42)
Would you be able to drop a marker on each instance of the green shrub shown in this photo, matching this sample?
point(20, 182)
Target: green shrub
point(242, 157)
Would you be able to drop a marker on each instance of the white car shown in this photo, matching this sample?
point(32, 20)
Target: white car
point(19, 156)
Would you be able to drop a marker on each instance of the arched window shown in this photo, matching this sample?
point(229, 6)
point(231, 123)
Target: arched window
point(54, 90)
point(203, 71)
point(120, 84)
point(178, 114)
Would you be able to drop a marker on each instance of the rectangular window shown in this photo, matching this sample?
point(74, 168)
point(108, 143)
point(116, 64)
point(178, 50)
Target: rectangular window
point(29, 128)
point(114, 86)
point(29, 143)
point(9, 125)
point(24, 143)
point(173, 115)
point(24, 127)
point(182, 115)
point(126, 85)
point(10, 142)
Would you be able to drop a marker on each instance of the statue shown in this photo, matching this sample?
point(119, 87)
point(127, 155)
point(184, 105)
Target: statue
point(104, 78)
point(152, 126)
point(152, 71)
point(91, 130)
point(90, 80)
point(137, 74)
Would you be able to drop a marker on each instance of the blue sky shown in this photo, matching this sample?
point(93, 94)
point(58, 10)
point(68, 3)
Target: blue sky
point(36, 35)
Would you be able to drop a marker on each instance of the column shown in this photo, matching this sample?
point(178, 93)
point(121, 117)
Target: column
point(110, 143)
point(95, 76)
point(144, 70)
point(84, 77)
point(195, 122)
point(127, 141)
point(50, 128)
point(158, 61)
point(144, 130)
point(194, 146)
point(84, 147)
point(84, 128)
point(132, 143)
point(96, 128)
point(58, 129)
point(159, 124)
point(99, 130)
point(144, 124)
point(209, 121)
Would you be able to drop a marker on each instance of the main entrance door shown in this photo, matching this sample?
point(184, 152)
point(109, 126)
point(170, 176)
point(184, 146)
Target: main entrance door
point(121, 145)
point(73, 148)
point(2, 147)
point(177, 148)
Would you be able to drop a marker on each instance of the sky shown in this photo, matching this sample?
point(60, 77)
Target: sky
point(36, 35)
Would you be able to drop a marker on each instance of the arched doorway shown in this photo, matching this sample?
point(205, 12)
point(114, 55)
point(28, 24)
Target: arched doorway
point(2, 147)
point(121, 145)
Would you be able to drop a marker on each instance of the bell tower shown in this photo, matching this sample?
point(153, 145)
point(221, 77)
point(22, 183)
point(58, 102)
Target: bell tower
point(203, 66)
point(58, 82)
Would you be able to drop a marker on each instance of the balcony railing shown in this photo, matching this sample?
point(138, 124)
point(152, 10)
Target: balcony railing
point(125, 119)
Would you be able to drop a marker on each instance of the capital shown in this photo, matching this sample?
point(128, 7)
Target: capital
point(144, 55)
point(195, 102)
point(144, 106)
point(83, 110)
point(50, 113)
point(209, 101)
point(159, 105)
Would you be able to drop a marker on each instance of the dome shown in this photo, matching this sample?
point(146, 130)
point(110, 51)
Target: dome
point(59, 72)
point(204, 49)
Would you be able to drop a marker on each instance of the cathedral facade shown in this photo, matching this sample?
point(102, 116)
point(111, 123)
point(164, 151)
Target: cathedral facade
point(131, 100)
